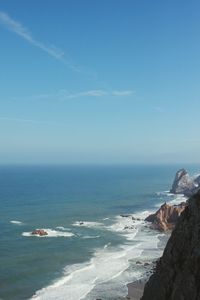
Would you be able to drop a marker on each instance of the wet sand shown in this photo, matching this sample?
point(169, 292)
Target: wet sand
point(135, 290)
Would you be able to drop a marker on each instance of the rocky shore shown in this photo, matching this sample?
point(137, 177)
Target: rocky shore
point(177, 274)
point(166, 216)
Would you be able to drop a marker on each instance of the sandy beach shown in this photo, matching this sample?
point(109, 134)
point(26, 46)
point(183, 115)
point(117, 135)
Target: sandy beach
point(135, 290)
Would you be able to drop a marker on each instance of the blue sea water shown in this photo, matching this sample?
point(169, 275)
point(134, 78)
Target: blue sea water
point(76, 261)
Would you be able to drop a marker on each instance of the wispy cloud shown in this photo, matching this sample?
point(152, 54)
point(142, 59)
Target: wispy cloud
point(90, 93)
point(63, 94)
point(25, 34)
point(123, 93)
point(31, 121)
point(100, 93)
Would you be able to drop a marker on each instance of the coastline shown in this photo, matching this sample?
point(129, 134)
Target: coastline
point(135, 289)
point(102, 255)
point(138, 255)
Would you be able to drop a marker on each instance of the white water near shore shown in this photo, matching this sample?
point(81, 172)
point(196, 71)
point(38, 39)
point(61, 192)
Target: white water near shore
point(111, 267)
point(171, 198)
point(59, 199)
point(50, 233)
point(16, 222)
point(88, 224)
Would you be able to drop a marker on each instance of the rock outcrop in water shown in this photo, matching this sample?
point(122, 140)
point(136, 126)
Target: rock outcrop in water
point(184, 184)
point(177, 274)
point(166, 216)
point(40, 232)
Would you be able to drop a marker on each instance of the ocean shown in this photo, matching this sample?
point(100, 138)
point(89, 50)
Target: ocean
point(91, 251)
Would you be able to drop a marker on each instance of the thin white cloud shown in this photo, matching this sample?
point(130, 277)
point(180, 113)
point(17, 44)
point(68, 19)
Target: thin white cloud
point(123, 93)
point(63, 95)
point(25, 34)
point(31, 121)
point(101, 93)
point(90, 93)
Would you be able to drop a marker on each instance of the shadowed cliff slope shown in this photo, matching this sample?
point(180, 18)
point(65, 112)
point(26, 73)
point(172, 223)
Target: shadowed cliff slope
point(177, 275)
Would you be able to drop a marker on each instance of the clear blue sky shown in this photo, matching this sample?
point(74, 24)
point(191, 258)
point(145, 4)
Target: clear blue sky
point(99, 81)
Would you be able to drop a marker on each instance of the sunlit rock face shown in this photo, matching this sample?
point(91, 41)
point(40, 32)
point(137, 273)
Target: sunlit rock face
point(166, 216)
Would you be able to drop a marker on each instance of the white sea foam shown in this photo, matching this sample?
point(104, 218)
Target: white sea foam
point(88, 224)
point(91, 236)
point(143, 214)
point(16, 222)
point(50, 232)
point(164, 193)
point(178, 199)
point(130, 226)
point(125, 226)
point(62, 228)
point(109, 265)
point(78, 280)
point(107, 245)
point(173, 199)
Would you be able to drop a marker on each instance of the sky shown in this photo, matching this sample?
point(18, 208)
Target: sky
point(99, 82)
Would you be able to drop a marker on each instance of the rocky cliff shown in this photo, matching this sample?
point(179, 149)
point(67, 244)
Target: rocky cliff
point(177, 274)
point(184, 184)
point(166, 216)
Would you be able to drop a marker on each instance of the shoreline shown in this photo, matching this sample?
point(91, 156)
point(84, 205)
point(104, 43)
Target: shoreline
point(149, 241)
point(135, 289)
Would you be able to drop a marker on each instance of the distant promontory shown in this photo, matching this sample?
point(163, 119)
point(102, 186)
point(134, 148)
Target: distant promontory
point(185, 184)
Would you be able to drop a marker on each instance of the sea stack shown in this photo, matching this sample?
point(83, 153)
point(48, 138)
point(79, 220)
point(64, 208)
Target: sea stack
point(177, 274)
point(184, 184)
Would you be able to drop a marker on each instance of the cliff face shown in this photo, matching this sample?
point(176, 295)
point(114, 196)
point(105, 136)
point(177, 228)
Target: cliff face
point(177, 274)
point(166, 216)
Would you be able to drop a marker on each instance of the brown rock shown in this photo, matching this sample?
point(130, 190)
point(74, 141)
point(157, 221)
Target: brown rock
point(166, 217)
point(40, 232)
